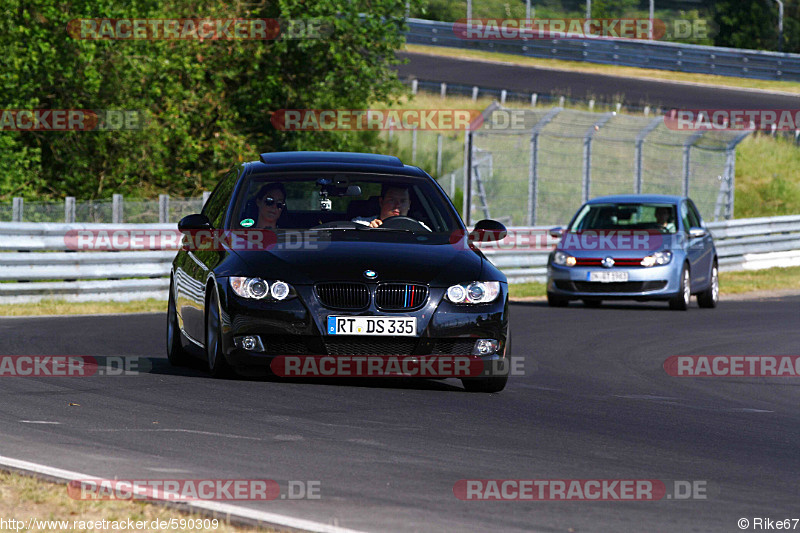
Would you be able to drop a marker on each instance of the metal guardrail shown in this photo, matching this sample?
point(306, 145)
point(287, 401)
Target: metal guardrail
point(631, 53)
point(36, 262)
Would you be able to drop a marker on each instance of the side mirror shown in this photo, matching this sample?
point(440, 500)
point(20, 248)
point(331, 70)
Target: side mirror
point(194, 222)
point(556, 232)
point(696, 233)
point(489, 230)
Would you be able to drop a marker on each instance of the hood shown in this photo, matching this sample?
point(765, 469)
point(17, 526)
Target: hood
point(435, 264)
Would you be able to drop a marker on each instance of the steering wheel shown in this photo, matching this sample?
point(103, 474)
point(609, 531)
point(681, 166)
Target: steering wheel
point(401, 222)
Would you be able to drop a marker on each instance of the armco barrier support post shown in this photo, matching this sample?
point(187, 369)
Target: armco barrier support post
point(117, 214)
point(16, 209)
point(206, 194)
point(163, 208)
point(414, 146)
point(69, 210)
point(474, 93)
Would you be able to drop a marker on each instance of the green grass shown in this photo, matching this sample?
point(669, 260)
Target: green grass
point(61, 307)
point(767, 177)
point(771, 279)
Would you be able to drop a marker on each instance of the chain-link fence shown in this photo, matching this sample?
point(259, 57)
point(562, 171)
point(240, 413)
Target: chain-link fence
point(114, 211)
point(543, 168)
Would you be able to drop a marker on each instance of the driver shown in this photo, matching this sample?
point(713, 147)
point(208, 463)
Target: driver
point(664, 220)
point(394, 201)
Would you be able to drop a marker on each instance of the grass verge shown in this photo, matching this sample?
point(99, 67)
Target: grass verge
point(610, 70)
point(771, 279)
point(24, 498)
point(61, 307)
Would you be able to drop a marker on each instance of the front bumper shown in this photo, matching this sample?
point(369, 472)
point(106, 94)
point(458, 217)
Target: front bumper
point(298, 327)
point(653, 283)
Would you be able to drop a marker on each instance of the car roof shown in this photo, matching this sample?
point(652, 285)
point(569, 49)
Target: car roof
point(637, 198)
point(334, 161)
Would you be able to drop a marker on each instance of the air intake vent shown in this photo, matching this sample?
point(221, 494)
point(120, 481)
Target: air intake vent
point(400, 296)
point(343, 295)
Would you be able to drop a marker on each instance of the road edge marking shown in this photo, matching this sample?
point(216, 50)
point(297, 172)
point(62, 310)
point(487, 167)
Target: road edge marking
point(234, 514)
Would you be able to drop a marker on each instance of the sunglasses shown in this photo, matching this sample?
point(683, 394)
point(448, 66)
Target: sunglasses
point(269, 202)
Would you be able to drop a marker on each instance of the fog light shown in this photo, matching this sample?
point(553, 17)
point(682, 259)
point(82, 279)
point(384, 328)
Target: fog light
point(485, 347)
point(251, 343)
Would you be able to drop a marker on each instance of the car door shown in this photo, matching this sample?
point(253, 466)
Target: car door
point(698, 248)
point(199, 263)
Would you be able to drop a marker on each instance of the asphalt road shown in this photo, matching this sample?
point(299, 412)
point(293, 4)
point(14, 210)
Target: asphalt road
point(632, 91)
point(594, 403)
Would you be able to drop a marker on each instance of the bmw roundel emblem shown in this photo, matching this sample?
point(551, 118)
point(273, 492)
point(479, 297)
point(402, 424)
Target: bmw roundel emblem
point(608, 262)
point(370, 274)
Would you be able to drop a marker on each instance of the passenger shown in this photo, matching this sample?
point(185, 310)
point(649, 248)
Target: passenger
point(271, 201)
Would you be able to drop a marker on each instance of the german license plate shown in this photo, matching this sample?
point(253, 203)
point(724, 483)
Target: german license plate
point(607, 276)
point(372, 325)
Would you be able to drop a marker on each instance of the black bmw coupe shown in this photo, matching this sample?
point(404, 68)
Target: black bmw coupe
point(335, 255)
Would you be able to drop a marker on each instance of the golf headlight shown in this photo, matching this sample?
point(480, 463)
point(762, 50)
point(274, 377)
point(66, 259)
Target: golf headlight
point(658, 258)
point(258, 289)
point(562, 259)
point(477, 292)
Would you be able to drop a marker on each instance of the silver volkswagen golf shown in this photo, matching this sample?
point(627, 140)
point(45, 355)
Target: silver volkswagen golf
point(634, 247)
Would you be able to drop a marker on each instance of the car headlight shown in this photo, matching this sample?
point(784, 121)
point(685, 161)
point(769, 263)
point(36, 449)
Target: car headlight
point(658, 258)
point(477, 292)
point(560, 258)
point(258, 289)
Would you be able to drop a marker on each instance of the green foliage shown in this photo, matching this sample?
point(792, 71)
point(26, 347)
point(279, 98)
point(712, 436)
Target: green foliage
point(208, 104)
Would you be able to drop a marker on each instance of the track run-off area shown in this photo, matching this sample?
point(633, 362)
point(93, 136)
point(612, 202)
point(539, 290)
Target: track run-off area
point(594, 403)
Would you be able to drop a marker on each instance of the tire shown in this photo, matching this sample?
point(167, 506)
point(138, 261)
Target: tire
point(592, 303)
point(217, 364)
point(708, 298)
point(176, 354)
point(681, 300)
point(556, 301)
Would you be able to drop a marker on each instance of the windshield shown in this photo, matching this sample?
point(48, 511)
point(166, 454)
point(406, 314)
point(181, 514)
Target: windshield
point(346, 203)
point(638, 216)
